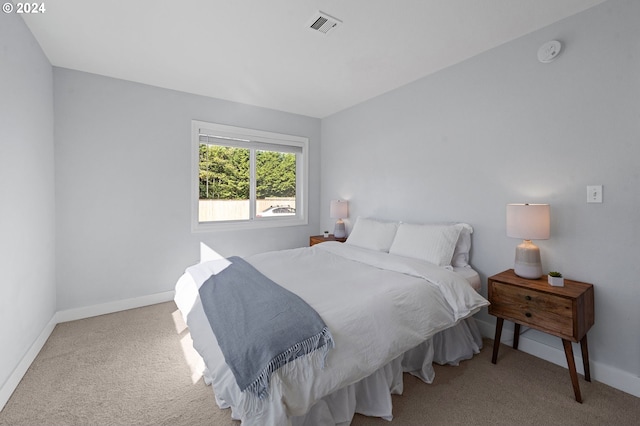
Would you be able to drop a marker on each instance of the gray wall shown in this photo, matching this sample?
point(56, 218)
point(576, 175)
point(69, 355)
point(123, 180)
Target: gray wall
point(502, 128)
point(27, 209)
point(123, 170)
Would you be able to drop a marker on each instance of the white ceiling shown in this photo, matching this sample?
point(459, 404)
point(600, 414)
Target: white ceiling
point(260, 52)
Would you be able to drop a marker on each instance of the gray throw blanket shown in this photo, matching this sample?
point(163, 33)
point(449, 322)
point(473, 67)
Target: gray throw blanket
point(260, 326)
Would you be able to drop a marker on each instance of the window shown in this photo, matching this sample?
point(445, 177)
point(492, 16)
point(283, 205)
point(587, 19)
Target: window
point(246, 178)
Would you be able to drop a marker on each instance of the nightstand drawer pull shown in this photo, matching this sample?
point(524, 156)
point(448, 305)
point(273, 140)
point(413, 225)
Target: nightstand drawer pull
point(527, 314)
point(527, 297)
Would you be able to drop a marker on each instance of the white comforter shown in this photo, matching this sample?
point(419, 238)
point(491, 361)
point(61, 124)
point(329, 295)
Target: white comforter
point(376, 305)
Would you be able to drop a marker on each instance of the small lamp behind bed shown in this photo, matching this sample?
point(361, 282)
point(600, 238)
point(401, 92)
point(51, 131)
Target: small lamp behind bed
point(529, 222)
point(339, 210)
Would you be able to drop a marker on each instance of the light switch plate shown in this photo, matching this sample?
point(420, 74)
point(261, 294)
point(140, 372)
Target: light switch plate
point(594, 193)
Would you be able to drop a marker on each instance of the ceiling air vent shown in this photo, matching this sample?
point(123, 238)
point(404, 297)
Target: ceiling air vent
point(323, 22)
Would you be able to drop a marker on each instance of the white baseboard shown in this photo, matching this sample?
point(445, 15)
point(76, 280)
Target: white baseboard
point(71, 315)
point(21, 369)
point(111, 307)
point(602, 373)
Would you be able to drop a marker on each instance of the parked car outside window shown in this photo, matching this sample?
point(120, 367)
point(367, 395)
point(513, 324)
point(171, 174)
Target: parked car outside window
point(277, 211)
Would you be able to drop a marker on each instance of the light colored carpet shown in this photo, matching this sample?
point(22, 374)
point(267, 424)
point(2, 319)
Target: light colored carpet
point(138, 367)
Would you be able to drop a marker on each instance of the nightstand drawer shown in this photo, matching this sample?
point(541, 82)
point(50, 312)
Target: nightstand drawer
point(536, 309)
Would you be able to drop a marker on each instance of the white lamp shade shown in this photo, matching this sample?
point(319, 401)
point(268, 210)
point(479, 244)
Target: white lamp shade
point(528, 221)
point(339, 209)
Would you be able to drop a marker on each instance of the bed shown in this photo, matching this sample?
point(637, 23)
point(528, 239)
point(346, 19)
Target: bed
point(396, 297)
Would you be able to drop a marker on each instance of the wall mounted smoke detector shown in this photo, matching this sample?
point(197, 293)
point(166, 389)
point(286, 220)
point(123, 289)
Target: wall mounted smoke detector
point(549, 51)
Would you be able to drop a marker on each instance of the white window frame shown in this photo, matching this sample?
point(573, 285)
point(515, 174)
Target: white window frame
point(256, 137)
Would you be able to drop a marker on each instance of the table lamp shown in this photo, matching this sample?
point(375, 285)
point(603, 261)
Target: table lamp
point(339, 210)
point(529, 222)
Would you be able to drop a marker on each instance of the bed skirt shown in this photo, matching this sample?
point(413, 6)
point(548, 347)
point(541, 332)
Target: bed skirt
point(371, 396)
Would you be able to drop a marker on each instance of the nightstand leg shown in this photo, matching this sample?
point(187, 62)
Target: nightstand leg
point(516, 335)
point(571, 363)
point(496, 339)
point(585, 358)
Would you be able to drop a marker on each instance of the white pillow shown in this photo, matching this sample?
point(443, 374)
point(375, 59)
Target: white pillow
point(433, 243)
point(372, 234)
point(463, 246)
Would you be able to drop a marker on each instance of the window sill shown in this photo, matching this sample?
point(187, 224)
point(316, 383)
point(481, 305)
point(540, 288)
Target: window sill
point(247, 224)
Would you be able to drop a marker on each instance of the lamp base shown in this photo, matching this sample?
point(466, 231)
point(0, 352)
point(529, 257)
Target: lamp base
point(527, 263)
point(339, 230)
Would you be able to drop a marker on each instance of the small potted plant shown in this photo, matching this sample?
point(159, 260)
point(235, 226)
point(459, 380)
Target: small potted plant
point(326, 234)
point(556, 279)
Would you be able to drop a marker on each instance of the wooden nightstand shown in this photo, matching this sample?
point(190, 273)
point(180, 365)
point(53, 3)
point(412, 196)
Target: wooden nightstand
point(316, 239)
point(566, 312)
